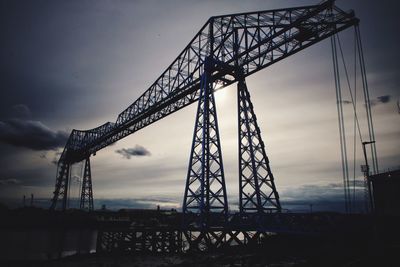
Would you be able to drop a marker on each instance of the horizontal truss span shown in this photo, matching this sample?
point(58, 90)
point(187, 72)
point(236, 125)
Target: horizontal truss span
point(247, 41)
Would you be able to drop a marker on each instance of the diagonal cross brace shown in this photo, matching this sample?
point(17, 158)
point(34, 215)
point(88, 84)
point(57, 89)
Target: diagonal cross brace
point(257, 191)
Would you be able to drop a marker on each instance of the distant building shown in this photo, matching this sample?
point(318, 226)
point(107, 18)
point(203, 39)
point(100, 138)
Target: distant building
point(386, 192)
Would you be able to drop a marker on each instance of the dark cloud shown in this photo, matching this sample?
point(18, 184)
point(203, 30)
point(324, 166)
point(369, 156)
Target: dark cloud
point(22, 111)
point(138, 151)
point(357, 183)
point(9, 182)
point(321, 192)
point(323, 197)
point(384, 99)
point(31, 134)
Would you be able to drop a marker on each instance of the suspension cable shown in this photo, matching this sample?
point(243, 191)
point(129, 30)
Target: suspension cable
point(367, 101)
point(355, 121)
point(335, 41)
point(348, 84)
point(356, 124)
point(342, 134)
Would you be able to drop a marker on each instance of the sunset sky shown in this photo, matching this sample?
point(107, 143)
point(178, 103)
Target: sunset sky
point(77, 64)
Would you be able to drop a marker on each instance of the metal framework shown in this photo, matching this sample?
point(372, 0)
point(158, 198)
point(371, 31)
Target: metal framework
point(170, 240)
point(61, 190)
point(205, 185)
point(86, 202)
point(167, 236)
point(257, 191)
point(247, 42)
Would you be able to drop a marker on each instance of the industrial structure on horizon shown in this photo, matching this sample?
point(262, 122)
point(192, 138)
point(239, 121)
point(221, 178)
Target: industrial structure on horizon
point(226, 50)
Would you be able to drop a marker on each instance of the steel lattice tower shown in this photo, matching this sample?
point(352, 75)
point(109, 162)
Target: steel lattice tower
point(257, 191)
point(61, 191)
point(86, 202)
point(205, 190)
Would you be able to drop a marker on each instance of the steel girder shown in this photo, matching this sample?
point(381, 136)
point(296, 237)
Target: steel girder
point(174, 240)
point(86, 202)
point(264, 38)
point(140, 240)
point(257, 191)
point(205, 190)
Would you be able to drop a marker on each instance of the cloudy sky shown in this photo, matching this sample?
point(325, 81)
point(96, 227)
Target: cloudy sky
point(76, 64)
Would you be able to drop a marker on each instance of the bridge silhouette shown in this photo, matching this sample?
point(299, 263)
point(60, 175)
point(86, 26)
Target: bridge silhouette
point(226, 50)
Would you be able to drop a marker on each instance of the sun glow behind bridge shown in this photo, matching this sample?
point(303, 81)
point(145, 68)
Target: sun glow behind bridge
point(222, 94)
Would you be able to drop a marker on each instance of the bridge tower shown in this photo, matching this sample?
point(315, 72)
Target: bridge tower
point(62, 182)
point(257, 191)
point(205, 190)
point(61, 192)
point(86, 202)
